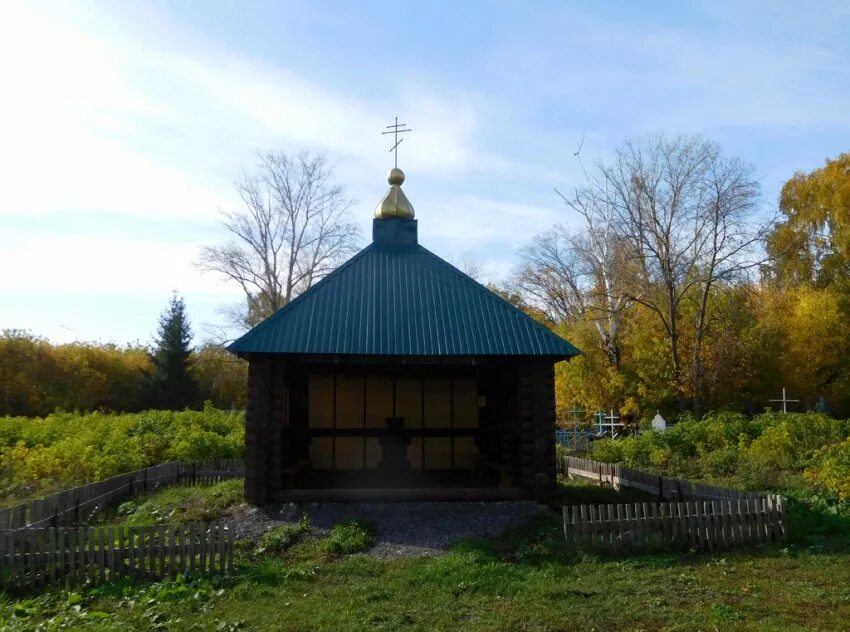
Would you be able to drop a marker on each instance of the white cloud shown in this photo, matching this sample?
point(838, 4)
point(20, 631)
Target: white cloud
point(98, 118)
point(143, 119)
point(103, 120)
point(55, 263)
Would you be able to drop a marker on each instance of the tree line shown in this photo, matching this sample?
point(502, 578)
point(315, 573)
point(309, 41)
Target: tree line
point(38, 378)
point(684, 295)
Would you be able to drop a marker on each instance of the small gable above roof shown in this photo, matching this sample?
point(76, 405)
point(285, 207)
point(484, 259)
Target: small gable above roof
point(395, 298)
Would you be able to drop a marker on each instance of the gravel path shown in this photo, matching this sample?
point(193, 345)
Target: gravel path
point(403, 529)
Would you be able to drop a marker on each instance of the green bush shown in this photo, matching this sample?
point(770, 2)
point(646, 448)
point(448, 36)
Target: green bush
point(44, 454)
point(607, 450)
point(791, 443)
point(279, 539)
point(832, 469)
point(560, 450)
point(353, 536)
point(721, 462)
point(768, 451)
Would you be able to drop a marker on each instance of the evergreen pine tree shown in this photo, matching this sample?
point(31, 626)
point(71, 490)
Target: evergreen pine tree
point(172, 385)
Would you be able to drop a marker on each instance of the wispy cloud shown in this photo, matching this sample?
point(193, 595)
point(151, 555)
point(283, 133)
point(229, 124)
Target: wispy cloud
point(121, 126)
point(117, 123)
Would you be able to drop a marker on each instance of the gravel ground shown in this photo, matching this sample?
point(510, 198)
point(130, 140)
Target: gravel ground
point(403, 529)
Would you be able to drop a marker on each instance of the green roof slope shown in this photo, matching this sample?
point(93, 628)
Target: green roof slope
point(401, 300)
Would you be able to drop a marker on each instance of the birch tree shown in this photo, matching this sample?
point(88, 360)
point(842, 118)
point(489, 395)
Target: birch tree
point(575, 274)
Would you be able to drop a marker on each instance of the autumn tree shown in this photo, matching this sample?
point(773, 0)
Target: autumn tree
point(222, 376)
point(37, 377)
point(293, 229)
point(685, 211)
point(812, 244)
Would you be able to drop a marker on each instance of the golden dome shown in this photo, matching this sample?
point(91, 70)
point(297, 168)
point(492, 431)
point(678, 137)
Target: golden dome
point(395, 204)
point(395, 176)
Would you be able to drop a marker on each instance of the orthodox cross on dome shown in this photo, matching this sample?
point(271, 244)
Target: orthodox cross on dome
point(395, 204)
point(396, 129)
point(785, 401)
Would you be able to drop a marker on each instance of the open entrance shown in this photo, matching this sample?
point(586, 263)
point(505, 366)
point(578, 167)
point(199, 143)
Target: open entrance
point(389, 430)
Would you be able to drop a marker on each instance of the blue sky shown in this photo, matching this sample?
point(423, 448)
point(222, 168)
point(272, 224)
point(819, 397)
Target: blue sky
point(122, 125)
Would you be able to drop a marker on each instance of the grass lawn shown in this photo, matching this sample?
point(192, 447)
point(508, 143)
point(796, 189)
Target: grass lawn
point(525, 580)
point(181, 505)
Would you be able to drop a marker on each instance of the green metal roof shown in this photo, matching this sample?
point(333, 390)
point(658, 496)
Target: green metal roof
point(396, 298)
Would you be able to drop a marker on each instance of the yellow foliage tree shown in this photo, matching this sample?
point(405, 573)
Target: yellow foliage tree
point(813, 244)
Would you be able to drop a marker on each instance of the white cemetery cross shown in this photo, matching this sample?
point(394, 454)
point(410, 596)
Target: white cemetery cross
point(608, 422)
point(658, 422)
point(785, 401)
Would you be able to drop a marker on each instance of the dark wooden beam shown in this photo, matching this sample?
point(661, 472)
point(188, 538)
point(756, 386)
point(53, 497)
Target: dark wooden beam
point(415, 494)
point(257, 420)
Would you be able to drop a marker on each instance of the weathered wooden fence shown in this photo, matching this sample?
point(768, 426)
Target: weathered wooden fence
point(77, 505)
point(676, 489)
point(704, 526)
point(32, 559)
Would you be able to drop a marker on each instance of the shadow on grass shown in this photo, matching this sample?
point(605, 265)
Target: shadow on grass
point(583, 492)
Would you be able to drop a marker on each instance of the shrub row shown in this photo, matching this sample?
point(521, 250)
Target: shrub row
point(768, 451)
point(44, 454)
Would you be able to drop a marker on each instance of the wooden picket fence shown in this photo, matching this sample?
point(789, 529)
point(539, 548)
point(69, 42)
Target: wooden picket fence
point(32, 559)
point(76, 506)
point(617, 475)
point(703, 526)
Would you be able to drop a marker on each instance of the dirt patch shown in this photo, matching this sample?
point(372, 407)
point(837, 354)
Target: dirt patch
point(402, 529)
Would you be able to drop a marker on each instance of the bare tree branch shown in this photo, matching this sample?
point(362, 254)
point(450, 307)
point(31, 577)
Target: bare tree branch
point(684, 210)
point(292, 230)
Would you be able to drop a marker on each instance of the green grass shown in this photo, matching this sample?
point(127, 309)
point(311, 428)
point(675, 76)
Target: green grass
point(279, 539)
point(180, 505)
point(577, 491)
point(525, 580)
point(354, 536)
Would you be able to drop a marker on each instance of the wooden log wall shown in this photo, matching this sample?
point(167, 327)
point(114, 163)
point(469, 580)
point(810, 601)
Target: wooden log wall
point(278, 417)
point(258, 413)
point(536, 404)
